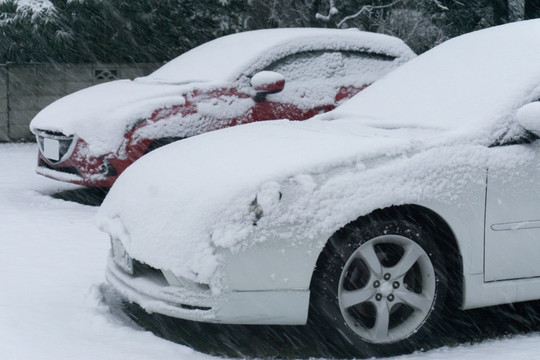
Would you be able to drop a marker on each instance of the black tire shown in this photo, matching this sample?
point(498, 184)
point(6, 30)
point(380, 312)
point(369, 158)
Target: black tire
point(410, 304)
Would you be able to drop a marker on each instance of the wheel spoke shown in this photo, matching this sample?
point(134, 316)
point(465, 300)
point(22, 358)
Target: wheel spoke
point(370, 258)
point(419, 302)
point(355, 297)
point(382, 322)
point(409, 258)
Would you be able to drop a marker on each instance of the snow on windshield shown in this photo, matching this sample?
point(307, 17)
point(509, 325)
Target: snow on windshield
point(472, 85)
point(245, 50)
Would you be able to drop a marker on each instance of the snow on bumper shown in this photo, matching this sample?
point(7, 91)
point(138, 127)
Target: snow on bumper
point(235, 307)
point(57, 175)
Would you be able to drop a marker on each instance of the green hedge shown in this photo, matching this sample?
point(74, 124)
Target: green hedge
point(113, 30)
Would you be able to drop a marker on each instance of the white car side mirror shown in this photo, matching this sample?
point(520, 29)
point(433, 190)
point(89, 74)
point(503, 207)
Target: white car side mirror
point(528, 116)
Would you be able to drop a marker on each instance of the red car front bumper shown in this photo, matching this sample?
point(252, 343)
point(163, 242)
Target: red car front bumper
point(73, 163)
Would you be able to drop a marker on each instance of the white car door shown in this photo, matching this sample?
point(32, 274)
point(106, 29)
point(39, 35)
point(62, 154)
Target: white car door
point(512, 222)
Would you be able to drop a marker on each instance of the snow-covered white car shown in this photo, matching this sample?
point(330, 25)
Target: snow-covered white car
point(91, 136)
point(420, 194)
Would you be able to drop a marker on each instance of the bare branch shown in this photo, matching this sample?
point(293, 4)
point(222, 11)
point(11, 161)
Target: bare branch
point(439, 5)
point(367, 9)
point(443, 7)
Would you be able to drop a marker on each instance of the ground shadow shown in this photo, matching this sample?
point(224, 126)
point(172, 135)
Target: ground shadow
point(85, 196)
point(243, 341)
point(463, 327)
point(216, 339)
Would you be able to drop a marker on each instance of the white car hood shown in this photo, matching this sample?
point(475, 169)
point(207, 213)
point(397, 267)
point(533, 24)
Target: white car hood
point(175, 206)
point(100, 114)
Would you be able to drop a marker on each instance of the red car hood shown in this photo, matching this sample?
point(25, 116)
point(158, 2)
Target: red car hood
point(101, 114)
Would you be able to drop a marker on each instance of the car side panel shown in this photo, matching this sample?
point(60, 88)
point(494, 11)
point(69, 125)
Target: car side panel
point(513, 218)
point(274, 264)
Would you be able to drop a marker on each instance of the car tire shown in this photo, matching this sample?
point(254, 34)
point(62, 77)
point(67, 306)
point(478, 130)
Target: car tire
point(379, 289)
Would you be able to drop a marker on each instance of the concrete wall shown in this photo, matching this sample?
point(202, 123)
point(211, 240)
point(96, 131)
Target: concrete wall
point(3, 104)
point(25, 89)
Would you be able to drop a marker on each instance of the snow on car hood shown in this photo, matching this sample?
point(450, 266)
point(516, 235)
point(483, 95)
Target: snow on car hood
point(176, 205)
point(101, 114)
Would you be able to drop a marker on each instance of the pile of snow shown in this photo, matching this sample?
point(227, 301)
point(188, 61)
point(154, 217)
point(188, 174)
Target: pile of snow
point(52, 264)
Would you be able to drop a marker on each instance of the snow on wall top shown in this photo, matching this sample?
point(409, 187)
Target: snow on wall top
point(472, 85)
point(228, 57)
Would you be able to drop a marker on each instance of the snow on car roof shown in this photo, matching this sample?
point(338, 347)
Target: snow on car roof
point(228, 57)
point(471, 85)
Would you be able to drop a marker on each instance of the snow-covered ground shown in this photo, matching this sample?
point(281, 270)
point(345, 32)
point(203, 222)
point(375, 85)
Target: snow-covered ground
point(52, 260)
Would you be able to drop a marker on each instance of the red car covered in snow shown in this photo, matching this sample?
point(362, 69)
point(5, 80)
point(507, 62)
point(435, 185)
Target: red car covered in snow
point(91, 136)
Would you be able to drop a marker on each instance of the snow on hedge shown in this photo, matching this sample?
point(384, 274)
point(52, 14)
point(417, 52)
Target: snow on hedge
point(101, 114)
point(35, 9)
point(32, 5)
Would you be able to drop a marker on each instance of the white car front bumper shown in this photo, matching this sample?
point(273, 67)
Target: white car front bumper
point(155, 295)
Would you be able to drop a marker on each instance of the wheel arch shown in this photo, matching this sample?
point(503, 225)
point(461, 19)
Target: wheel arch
point(434, 223)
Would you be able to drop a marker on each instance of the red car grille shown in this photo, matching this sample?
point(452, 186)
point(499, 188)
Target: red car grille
point(64, 141)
